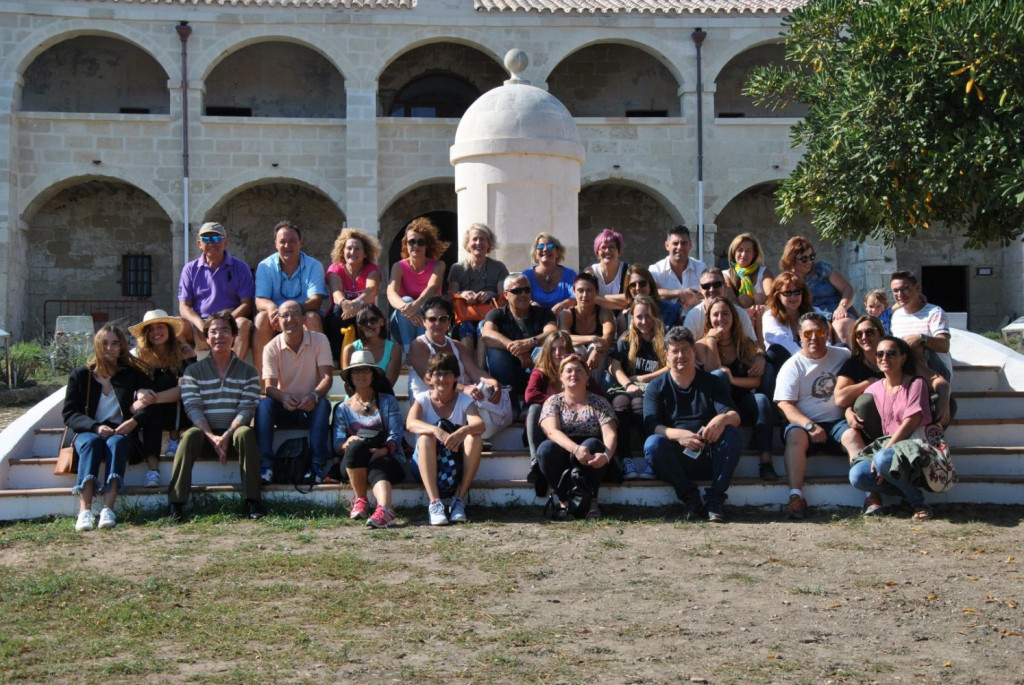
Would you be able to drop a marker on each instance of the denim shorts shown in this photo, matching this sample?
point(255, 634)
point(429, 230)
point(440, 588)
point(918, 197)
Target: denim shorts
point(833, 442)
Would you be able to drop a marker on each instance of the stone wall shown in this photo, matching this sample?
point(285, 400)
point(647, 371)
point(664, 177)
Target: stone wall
point(640, 219)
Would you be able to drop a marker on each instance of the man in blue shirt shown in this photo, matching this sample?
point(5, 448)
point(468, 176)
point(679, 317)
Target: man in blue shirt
point(289, 274)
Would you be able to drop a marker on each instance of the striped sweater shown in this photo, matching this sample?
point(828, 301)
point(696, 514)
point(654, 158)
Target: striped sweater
point(205, 396)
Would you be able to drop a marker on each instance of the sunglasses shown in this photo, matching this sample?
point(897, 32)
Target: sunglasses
point(438, 319)
point(712, 285)
point(866, 333)
point(817, 333)
point(371, 321)
point(211, 239)
point(545, 246)
point(887, 354)
point(416, 241)
point(808, 258)
point(792, 293)
point(522, 290)
point(638, 284)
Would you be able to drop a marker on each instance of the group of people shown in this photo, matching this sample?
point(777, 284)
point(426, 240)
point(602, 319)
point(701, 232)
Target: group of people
point(621, 371)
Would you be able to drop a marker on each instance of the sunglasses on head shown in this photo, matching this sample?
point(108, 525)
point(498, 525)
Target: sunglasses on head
point(638, 284)
point(444, 318)
point(521, 290)
point(416, 241)
point(712, 285)
point(211, 239)
point(887, 354)
point(807, 258)
point(545, 246)
point(816, 333)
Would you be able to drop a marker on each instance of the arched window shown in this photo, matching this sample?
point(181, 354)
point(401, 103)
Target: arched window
point(437, 96)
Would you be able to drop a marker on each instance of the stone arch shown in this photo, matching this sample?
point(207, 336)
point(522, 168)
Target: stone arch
point(655, 48)
point(275, 78)
point(637, 210)
point(752, 210)
point(714, 60)
point(45, 187)
point(38, 42)
point(77, 238)
point(460, 60)
point(95, 74)
point(415, 179)
point(217, 194)
point(422, 38)
point(729, 81)
point(205, 61)
point(250, 211)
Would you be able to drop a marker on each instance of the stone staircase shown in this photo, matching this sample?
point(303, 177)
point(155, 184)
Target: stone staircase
point(986, 439)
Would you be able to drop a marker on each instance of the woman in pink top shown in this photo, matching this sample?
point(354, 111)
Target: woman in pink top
point(902, 402)
point(354, 281)
point(414, 278)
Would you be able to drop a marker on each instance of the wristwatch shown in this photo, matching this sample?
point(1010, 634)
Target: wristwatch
point(809, 426)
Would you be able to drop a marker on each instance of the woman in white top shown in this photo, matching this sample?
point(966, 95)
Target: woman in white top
point(427, 413)
point(609, 269)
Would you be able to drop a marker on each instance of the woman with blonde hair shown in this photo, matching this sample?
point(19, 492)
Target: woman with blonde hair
point(353, 279)
point(477, 279)
point(166, 358)
point(748, 277)
point(414, 278)
point(97, 407)
point(550, 282)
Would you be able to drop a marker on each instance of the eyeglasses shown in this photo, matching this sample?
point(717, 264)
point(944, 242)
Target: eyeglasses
point(211, 239)
point(371, 321)
point(438, 319)
point(816, 333)
point(866, 333)
point(522, 290)
point(416, 241)
point(638, 284)
point(545, 246)
point(712, 285)
point(887, 354)
point(902, 290)
point(807, 258)
point(792, 293)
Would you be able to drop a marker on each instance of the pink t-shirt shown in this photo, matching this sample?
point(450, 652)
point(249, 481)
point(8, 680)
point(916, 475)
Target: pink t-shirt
point(353, 288)
point(297, 372)
point(413, 283)
point(904, 403)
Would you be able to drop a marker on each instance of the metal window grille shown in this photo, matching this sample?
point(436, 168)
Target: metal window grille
point(138, 275)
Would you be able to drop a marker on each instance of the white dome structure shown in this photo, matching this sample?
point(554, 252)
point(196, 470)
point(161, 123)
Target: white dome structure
point(517, 158)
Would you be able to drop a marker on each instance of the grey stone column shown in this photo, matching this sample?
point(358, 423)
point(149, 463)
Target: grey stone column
point(361, 156)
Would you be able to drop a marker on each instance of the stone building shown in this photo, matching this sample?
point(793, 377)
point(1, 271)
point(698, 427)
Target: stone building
point(335, 112)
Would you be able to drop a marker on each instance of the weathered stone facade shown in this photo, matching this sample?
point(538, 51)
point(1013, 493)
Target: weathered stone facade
point(289, 115)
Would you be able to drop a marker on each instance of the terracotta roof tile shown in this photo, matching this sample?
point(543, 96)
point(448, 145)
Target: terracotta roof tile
point(638, 6)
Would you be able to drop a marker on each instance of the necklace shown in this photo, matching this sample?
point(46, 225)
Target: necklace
point(545, 276)
point(367, 406)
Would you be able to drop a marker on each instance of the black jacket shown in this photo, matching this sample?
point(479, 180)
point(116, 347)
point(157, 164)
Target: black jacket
point(125, 382)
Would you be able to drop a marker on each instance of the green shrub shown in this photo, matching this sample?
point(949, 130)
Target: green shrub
point(26, 358)
point(70, 351)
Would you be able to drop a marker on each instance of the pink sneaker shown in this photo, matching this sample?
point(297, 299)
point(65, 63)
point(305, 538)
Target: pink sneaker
point(382, 518)
point(360, 508)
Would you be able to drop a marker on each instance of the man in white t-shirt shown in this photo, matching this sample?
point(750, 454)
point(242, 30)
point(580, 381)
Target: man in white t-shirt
point(678, 275)
point(923, 326)
point(804, 392)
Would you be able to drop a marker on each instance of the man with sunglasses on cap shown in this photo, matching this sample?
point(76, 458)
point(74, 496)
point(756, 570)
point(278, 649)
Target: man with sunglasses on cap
point(212, 283)
point(288, 274)
point(512, 332)
point(804, 391)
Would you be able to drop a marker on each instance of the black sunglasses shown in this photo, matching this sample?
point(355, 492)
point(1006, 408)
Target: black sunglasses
point(522, 290)
point(438, 319)
point(887, 354)
point(808, 258)
point(712, 285)
point(638, 284)
point(416, 241)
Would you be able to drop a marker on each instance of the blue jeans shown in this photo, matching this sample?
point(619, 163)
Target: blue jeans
point(717, 462)
point(862, 478)
point(401, 328)
point(271, 413)
point(94, 450)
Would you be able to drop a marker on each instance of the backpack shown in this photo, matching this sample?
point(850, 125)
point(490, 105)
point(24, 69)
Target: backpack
point(292, 461)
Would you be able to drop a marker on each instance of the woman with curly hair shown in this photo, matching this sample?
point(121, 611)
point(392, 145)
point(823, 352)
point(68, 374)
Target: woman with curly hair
point(414, 278)
point(353, 279)
point(831, 293)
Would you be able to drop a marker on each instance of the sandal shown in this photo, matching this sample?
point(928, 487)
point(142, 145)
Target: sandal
point(922, 512)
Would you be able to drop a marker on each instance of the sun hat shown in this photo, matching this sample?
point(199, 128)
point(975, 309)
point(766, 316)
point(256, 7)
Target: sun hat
point(361, 359)
point(157, 316)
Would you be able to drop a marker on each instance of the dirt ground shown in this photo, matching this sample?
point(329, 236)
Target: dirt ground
point(637, 597)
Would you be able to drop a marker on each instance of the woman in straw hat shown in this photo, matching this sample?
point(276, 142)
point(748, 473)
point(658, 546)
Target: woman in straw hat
point(158, 347)
point(368, 438)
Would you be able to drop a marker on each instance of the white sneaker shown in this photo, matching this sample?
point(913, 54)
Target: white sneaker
point(107, 518)
point(458, 511)
point(86, 521)
point(152, 479)
point(437, 515)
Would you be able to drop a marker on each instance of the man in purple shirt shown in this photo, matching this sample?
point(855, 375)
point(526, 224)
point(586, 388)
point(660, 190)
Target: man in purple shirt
point(214, 282)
